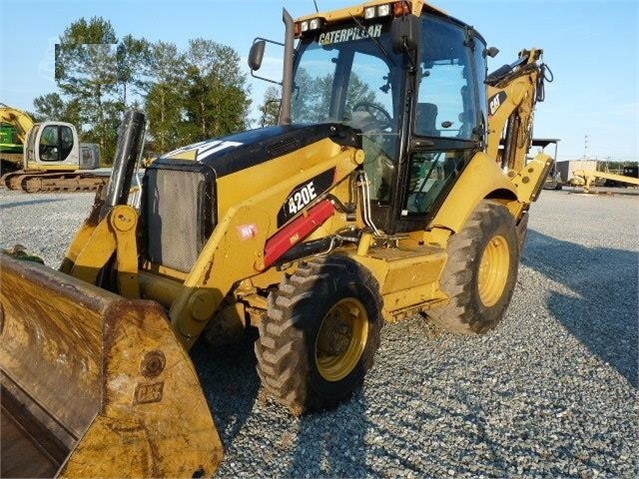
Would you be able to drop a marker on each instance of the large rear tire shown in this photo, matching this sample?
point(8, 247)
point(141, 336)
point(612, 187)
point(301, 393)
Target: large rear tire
point(481, 272)
point(320, 335)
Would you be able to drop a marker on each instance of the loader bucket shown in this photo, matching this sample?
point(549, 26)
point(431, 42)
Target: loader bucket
point(95, 385)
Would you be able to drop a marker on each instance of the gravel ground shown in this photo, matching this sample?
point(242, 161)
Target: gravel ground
point(552, 392)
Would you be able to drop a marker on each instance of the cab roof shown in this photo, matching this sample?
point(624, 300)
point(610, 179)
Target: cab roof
point(417, 7)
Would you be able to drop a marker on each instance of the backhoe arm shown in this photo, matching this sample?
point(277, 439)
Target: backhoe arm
point(513, 91)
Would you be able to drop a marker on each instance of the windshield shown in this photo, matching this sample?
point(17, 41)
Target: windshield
point(351, 75)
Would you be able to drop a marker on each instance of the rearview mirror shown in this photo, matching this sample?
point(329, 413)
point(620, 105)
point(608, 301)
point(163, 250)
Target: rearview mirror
point(256, 54)
point(405, 33)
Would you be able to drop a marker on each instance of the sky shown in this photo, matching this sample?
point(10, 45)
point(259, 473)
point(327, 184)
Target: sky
point(591, 46)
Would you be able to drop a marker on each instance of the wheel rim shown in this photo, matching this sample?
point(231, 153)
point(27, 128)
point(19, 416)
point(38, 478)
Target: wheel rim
point(493, 271)
point(341, 339)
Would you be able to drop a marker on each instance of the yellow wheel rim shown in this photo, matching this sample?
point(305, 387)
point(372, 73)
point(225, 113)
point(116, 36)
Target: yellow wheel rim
point(341, 340)
point(493, 271)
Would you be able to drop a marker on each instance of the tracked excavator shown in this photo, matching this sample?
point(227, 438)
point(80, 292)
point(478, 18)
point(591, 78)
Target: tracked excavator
point(46, 156)
point(395, 184)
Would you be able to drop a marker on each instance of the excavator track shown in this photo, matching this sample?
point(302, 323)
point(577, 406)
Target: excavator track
point(46, 182)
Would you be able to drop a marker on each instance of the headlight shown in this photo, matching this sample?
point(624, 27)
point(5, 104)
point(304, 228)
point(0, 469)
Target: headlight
point(369, 12)
point(383, 10)
point(315, 24)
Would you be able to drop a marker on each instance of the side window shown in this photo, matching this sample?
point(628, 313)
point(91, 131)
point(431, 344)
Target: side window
point(446, 96)
point(431, 174)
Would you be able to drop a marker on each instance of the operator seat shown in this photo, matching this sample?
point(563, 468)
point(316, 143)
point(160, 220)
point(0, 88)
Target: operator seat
point(426, 119)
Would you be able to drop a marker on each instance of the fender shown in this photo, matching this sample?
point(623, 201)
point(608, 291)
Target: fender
point(481, 179)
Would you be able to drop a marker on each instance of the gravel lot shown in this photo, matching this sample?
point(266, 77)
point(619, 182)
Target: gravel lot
point(552, 392)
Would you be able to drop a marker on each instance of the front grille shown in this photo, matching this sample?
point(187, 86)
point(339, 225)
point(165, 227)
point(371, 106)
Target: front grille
point(179, 216)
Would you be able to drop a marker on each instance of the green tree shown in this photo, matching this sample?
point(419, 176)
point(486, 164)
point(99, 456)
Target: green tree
point(187, 96)
point(86, 72)
point(164, 94)
point(52, 107)
point(132, 55)
point(217, 98)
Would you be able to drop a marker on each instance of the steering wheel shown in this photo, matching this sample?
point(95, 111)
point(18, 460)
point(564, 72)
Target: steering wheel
point(382, 117)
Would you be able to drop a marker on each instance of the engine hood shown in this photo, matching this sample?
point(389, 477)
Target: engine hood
point(232, 153)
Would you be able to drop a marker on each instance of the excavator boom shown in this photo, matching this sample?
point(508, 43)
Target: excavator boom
point(513, 91)
point(18, 119)
point(588, 178)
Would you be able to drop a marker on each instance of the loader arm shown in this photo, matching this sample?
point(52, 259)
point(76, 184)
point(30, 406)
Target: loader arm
point(249, 229)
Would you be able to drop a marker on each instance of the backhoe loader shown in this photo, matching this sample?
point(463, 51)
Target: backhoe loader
point(395, 184)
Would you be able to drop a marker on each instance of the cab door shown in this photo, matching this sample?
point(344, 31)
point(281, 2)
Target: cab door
point(448, 119)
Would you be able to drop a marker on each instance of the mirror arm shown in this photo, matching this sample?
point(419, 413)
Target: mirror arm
point(265, 79)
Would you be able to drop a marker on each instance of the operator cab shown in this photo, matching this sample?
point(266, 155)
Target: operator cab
point(413, 86)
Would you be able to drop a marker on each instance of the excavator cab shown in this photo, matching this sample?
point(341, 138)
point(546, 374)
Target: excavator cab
point(55, 145)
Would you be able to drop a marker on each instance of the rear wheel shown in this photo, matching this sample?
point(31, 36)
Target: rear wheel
point(481, 272)
point(320, 334)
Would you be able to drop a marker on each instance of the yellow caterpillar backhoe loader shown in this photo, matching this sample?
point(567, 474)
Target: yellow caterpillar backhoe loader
point(392, 186)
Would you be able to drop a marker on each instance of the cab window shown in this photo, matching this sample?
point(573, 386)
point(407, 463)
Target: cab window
point(355, 77)
point(56, 143)
point(446, 96)
point(431, 175)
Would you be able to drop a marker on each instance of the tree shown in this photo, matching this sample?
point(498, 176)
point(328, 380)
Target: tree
point(216, 101)
point(164, 94)
point(52, 107)
point(188, 96)
point(86, 72)
point(270, 109)
point(132, 55)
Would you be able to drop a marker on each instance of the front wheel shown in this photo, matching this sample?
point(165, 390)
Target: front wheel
point(320, 334)
point(481, 271)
